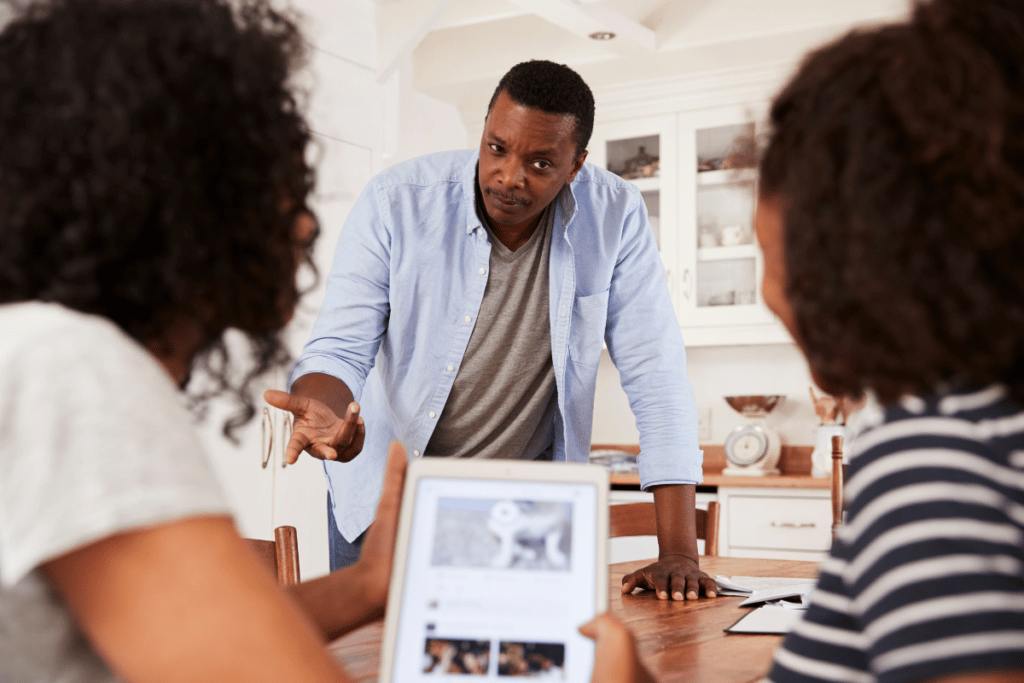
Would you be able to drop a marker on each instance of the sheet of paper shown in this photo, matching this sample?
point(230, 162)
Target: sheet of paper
point(767, 620)
point(727, 587)
point(771, 594)
point(760, 583)
point(746, 585)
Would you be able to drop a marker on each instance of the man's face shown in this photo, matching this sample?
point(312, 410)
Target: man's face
point(526, 157)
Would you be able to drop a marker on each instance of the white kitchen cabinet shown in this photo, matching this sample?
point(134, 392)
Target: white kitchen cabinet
point(775, 523)
point(702, 220)
point(619, 146)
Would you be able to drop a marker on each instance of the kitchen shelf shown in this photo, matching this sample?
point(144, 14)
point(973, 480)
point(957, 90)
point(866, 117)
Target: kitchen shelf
point(727, 176)
point(647, 184)
point(725, 253)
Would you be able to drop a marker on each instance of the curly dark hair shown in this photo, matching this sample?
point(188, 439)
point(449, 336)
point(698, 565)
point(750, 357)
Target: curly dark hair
point(896, 156)
point(552, 88)
point(152, 169)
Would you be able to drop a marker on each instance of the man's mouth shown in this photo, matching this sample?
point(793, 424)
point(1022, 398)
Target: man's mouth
point(507, 199)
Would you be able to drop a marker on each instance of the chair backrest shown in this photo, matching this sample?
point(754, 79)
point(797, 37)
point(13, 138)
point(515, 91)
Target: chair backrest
point(638, 519)
point(837, 483)
point(281, 554)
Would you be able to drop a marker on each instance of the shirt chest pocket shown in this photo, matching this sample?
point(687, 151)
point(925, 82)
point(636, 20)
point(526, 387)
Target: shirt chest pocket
point(586, 329)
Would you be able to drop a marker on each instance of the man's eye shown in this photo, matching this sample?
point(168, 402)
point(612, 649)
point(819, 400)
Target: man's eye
point(494, 147)
point(541, 164)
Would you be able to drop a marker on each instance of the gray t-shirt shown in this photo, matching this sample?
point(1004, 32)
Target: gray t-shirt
point(94, 440)
point(503, 400)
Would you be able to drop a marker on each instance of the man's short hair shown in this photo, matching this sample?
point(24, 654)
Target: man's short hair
point(552, 88)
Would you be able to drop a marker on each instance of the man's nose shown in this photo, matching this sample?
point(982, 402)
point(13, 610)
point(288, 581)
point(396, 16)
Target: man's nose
point(510, 173)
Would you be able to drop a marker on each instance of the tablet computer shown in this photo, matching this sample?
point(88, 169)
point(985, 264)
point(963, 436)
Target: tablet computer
point(497, 563)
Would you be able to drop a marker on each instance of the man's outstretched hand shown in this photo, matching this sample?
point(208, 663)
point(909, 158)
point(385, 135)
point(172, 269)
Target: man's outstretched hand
point(674, 577)
point(317, 430)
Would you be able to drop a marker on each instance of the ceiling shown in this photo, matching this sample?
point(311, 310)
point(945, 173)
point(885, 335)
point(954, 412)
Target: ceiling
point(460, 48)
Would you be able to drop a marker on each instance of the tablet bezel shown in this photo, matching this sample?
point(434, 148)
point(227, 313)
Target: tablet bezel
point(457, 468)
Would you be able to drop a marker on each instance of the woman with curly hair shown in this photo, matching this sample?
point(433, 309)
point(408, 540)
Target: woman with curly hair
point(892, 224)
point(152, 195)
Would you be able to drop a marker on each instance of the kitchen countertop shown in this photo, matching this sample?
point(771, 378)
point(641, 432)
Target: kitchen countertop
point(787, 481)
point(794, 462)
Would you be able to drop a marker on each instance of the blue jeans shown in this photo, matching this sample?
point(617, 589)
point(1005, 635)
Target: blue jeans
point(342, 553)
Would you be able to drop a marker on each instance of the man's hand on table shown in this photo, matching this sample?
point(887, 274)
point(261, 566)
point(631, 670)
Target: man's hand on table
point(318, 430)
point(616, 659)
point(675, 577)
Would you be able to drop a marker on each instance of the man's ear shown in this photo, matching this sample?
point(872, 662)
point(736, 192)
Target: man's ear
point(577, 164)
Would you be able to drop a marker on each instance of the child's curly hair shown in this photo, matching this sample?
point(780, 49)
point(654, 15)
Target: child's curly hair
point(896, 156)
point(152, 167)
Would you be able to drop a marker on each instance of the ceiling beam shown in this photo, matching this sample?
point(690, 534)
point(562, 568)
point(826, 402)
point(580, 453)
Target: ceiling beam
point(407, 23)
point(582, 20)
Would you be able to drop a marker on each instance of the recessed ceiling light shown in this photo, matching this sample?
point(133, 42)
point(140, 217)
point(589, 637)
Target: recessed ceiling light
point(602, 35)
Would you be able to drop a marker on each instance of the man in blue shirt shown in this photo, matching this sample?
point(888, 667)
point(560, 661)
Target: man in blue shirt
point(466, 309)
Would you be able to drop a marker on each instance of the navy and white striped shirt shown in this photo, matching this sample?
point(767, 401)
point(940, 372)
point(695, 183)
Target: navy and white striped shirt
point(926, 577)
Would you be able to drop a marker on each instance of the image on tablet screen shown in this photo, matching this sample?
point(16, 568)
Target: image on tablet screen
point(456, 656)
point(498, 533)
point(531, 660)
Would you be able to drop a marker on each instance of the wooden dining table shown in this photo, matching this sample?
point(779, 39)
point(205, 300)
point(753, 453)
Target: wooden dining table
point(678, 641)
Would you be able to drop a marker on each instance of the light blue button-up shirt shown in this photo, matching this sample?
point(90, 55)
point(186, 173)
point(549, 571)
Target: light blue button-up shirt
point(404, 291)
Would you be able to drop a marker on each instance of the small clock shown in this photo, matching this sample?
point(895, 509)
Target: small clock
point(752, 450)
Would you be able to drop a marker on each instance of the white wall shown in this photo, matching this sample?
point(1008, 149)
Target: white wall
point(716, 372)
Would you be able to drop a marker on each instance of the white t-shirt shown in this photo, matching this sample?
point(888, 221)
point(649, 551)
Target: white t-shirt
point(94, 440)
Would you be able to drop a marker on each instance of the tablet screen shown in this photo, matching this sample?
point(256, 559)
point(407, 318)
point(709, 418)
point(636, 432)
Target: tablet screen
point(499, 575)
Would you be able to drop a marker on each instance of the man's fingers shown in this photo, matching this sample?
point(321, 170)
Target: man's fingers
point(295, 446)
point(692, 587)
point(660, 583)
point(323, 451)
point(356, 447)
point(630, 582)
point(710, 587)
point(285, 401)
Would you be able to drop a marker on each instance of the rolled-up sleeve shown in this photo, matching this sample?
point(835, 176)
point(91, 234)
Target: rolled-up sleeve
point(647, 348)
point(354, 315)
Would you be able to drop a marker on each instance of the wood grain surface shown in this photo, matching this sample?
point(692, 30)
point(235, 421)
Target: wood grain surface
point(678, 641)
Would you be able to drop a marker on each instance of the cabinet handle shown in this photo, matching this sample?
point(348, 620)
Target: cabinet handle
point(687, 284)
point(266, 444)
point(794, 525)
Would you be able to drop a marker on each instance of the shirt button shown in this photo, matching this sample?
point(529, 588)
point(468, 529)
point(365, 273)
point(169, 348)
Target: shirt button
point(432, 414)
point(416, 453)
point(451, 368)
point(483, 270)
point(468, 319)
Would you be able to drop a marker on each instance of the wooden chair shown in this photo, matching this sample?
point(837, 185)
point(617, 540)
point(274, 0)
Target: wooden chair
point(638, 519)
point(281, 554)
point(838, 472)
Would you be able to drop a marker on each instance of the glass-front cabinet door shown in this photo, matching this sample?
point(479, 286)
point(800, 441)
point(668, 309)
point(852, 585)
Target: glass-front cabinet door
point(719, 296)
point(696, 172)
point(643, 151)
